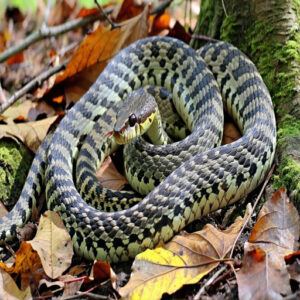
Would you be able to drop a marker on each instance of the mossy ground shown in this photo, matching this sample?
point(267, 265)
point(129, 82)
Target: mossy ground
point(15, 161)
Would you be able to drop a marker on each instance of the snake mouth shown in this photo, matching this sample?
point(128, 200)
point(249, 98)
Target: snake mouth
point(127, 134)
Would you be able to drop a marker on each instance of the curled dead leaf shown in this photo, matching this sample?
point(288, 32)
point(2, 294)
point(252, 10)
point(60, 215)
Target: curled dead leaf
point(264, 273)
point(278, 225)
point(30, 133)
point(10, 291)
point(96, 50)
point(101, 271)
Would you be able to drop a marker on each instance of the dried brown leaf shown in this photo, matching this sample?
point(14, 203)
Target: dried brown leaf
point(231, 133)
point(96, 50)
point(277, 227)
point(263, 276)
point(10, 291)
point(129, 9)
point(3, 210)
point(160, 22)
point(293, 265)
point(109, 176)
point(15, 111)
point(101, 271)
point(53, 244)
point(30, 133)
point(27, 261)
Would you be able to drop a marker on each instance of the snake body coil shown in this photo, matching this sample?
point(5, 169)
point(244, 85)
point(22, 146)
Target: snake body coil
point(203, 183)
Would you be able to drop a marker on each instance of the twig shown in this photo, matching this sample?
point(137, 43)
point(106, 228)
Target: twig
point(208, 282)
point(46, 32)
point(2, 96)
point(47, 12)
point(204, 37)
point(224, 8)
point(254, 205)
point(81, 295)
point(107, 18)
point(160, 7)
point(92, 296)
point(33, 83)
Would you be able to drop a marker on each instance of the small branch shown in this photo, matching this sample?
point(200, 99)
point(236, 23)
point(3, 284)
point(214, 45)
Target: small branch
point(160, 7)
point(2, 96)
point(47, 12)
point(107, 18)
point(224, 8)
point(254, 205)
point(204, 37)
point(33, 83)
point(208, 282)
point(46, 32)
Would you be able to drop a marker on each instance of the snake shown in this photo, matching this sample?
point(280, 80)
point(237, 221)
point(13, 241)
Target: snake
point(204, 182)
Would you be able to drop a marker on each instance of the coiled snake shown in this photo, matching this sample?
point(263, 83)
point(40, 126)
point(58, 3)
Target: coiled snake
point(203, 183)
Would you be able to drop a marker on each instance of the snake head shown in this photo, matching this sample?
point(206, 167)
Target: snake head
point(135, 116)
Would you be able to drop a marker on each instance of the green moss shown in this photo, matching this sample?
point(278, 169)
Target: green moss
point(275, 61)
point(288, 141)
point(278, 63)
point(15, 161)
point(288, 174)
point(288, 127)
point(230, 26)
point(209, 22)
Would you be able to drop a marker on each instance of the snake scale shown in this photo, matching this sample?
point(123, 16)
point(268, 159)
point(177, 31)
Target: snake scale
point(203, 183)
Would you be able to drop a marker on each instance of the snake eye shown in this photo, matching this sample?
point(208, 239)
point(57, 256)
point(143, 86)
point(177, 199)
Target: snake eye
point(132, 120)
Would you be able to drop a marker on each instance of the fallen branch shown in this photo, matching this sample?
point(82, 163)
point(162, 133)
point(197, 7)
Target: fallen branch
point(37, 81)
point(46, 32)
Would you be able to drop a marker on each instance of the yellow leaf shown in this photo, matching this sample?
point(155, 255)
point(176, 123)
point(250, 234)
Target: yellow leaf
point(184, 260)
point(10, 291)
point(53, 244)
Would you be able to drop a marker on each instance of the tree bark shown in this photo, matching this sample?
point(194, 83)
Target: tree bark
point(268, 32)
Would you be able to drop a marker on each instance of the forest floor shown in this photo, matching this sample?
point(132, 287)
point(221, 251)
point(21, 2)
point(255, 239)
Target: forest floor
point(237, 252)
